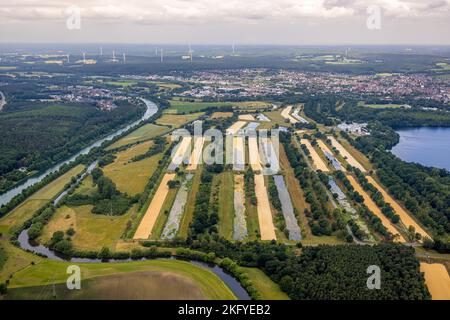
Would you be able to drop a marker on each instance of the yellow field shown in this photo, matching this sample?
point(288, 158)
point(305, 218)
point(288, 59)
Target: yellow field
point(266, 226)
point(325, 148)
point(24, 211)
point(148, 221)
point(405, 217)
point(146, 132)
point(246, 117)
point(131, 177)
point(235, 127)
point(437, 280)
point(347, 156)
point(238, 153)
point(219, 115)
point(286, 115)
point(253, 153)
point(92, 231)
point(317, 160)
point(177, 120)
point(374, 208)
point(196, 155)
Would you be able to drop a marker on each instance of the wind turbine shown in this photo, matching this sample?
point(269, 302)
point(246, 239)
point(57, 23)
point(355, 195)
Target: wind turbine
point(162, 56)
point(84, 57)
point(114, 56)
point(68, 58)
point(233, 47)
point(124, 59)
point(190, 51)
point(101, 51)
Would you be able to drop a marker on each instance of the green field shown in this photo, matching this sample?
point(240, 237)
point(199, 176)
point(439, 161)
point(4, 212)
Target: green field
point(174, 277)
point(164, 214)
point(177, 106)
point(380, 106)
point(226, 204)
point(131, 177)
point(268, 289)
point(143, 133)
point(177, 120)
point(92, 231)
point(24, 211)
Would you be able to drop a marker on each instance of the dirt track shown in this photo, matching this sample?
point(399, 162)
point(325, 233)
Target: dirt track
point(350, 159)
point(148, 221)
point(266, 226)
point(317, 160)
point(374, 208)
point(437, 280)
point(196, 154)
point(404, 216)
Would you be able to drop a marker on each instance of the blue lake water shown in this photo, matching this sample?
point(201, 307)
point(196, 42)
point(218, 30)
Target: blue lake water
point(427, 146)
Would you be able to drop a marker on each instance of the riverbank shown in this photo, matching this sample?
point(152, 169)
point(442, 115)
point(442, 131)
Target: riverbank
point(6, 197)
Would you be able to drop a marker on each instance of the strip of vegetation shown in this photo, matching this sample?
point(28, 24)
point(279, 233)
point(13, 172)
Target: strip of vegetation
point(363, 211)
point(106, 200)
point(319, 217)
point(206, 214)
point(422, 190)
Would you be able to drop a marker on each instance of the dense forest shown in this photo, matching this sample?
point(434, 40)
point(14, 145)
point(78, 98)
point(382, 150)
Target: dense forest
point(39, 135)
point(329, 272)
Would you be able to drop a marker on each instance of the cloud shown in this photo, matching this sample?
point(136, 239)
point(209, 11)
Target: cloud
point(177, 12)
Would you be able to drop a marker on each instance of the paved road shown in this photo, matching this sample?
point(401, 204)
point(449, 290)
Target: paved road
point(3, 101)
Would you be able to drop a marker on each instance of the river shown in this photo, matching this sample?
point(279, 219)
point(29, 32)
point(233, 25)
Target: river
point(152, 108)
point(2, 101)
point(427, 146)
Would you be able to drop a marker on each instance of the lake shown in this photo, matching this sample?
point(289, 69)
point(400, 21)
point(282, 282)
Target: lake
point(427, 146)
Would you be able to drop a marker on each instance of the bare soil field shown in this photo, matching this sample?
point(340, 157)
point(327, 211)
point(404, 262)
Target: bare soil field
point(238, 153)
point(255, 161)
point(405, 217)
point(235, 127)
point(196, 156)
point(218, 115)
point(347, 156)
point(246, 117)
point(148, 221)
point(286, 115)
point(317, 160)
point(374, 208)
point(437, 280)
point(267, 229)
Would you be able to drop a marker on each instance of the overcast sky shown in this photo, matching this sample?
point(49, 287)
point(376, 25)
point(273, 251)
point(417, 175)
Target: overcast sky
point(298, 22)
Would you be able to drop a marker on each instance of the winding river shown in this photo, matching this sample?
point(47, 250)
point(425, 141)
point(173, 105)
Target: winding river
point(2, 100)
point(152, 108)
point(40, 249)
